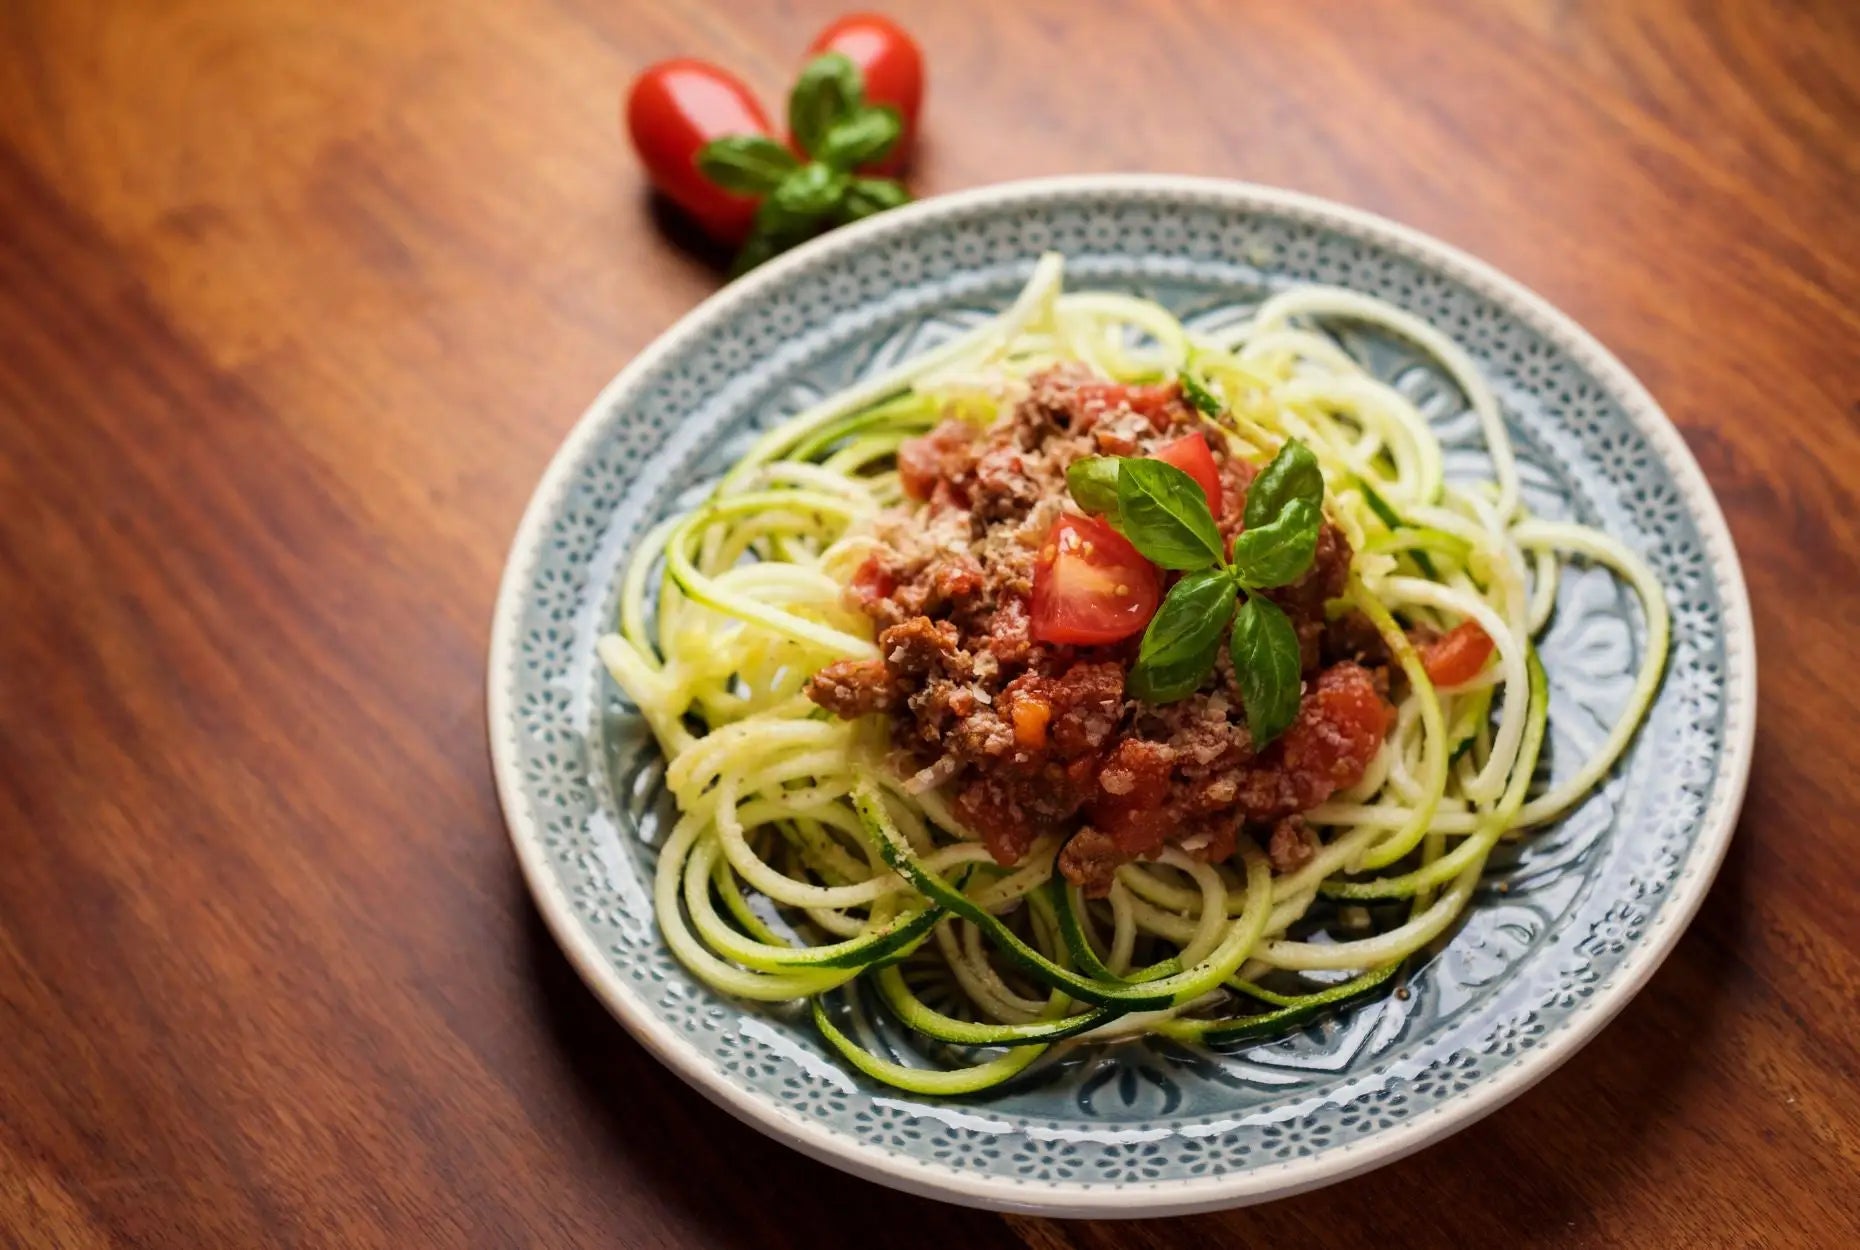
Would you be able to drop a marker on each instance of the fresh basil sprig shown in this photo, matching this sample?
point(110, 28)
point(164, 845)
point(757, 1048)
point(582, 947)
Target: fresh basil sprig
point(1093, 483)
point(837, 131)
point(1165, 515)
point(1279, 551)
point(746, 164)
point(863, 135)
point(1264, 649)
point(1290, 475)
point(866, 196)
point(1179, 647)
point(829, 89)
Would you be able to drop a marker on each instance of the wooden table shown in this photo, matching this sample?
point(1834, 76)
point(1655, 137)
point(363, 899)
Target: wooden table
point(296, 300)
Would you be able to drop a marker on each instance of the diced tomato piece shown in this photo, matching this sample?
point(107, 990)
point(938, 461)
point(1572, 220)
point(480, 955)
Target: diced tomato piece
point(940, 456)
point(1132, 804)
point(1161, 402)
point(1456, 656)
point(991, 807)
point(1340, 725)
point(873, 581)
point(1193, 456)
point(1090, 586)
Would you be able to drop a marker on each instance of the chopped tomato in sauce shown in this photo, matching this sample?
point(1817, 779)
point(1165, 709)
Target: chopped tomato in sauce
point(1090, 586)
point(1005, 630)
point(1455, 658)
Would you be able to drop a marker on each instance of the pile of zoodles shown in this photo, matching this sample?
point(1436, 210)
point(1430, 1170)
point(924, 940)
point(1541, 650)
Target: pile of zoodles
point(800, 865)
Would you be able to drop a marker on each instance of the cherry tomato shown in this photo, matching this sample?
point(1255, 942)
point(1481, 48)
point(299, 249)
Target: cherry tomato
point(1192, 455)
point(673, 110)
point(894, 72)
point(1456, 656)
point(1090, 585)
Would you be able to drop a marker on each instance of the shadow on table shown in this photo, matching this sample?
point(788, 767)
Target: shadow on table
point(723, 1182)
point(683, 234)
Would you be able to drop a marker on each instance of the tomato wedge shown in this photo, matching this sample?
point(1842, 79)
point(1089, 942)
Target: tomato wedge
point(1193, 456)
point(672, 111)
point(1090, 586)
point(1456, 656)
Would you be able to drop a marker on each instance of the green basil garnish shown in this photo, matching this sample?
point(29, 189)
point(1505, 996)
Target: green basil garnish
point(746, 164)
point(1264, 648)
point(1092, 480)
point(1178, 648)
point(1280, 551)
point(1292, 474)
point(867, 133)
point(830, 87)
point(1165, 515)
point(837, 131)
point(808, 192)
point(865, 196)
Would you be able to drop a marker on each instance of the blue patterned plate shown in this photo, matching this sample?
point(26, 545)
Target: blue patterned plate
point(1572, 922)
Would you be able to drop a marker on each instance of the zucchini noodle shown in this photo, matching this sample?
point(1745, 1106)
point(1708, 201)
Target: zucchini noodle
point(801, 865)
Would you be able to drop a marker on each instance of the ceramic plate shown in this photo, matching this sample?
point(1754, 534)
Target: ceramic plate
point(1571, 923)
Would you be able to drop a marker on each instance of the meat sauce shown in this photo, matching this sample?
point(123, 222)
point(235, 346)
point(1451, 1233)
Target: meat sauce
point(1034, 738)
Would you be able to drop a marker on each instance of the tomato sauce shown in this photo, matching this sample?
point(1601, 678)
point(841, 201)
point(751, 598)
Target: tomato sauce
point(1008, 623)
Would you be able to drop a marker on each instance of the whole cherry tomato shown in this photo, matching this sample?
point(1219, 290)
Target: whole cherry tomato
point(1090, 585)
point(672, 111)
point(893, 67)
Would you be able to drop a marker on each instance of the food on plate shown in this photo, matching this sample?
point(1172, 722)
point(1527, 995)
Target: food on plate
point(1091, 676)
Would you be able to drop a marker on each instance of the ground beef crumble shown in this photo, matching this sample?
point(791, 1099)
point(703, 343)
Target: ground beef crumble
point(1037, 738)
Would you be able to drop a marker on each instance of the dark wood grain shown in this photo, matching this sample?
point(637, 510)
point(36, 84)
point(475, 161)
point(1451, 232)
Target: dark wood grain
point(296, 300)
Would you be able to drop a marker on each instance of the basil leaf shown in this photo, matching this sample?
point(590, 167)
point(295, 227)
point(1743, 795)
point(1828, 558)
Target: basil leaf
point(1165, 515)
point(1292, 474)
point(830, 87)
point(865, 134)
point(1093, 483)
point(790, 215)
point(804, 196)
point(1200, 395)
point(747, 164)
point(1178, 649)
point(865, 196)
point(779, 223)
point(1264, 648)
point(1278, 553)
point(758, 247)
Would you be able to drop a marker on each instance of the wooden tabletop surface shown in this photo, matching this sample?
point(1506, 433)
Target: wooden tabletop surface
point(297, 299)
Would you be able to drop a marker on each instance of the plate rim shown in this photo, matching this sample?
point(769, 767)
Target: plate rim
point(1175, 1197)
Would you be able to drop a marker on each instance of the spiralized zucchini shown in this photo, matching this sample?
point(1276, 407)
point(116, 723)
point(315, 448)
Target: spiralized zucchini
point(800, 865)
